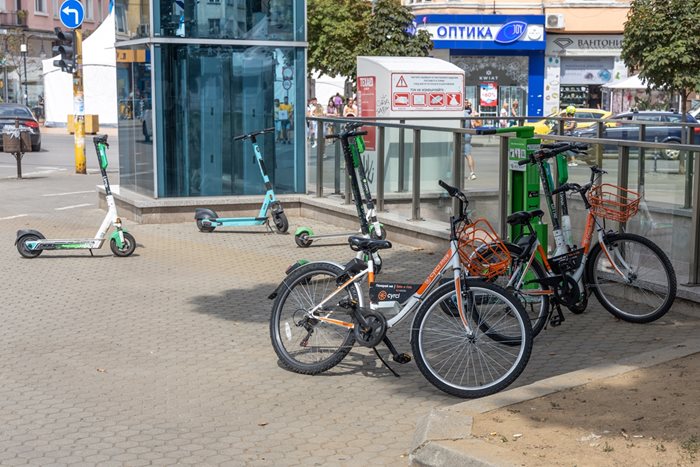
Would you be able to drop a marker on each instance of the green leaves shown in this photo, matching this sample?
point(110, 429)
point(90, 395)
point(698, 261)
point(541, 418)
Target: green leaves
point(662, 41)
point(340, 30)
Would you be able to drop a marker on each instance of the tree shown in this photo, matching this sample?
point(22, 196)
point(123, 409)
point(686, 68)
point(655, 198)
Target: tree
point(334, 29)
point(340, 30)
point(661, 42)
point(392, 32)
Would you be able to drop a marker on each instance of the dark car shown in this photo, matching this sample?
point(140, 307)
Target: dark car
point(9, 113)
point(654, 133)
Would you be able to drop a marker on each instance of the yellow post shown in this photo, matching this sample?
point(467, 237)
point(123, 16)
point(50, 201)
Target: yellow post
point(79, 105)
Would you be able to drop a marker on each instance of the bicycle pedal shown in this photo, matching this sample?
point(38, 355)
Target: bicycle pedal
point(402, 358)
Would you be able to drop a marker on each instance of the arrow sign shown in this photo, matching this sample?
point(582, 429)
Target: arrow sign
point(72, 14)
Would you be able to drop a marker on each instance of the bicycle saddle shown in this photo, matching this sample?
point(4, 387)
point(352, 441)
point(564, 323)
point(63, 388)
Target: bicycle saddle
point(523, 217)
point(367, 244)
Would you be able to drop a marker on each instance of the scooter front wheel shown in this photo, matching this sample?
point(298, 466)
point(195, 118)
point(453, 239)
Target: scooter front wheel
point(302, 240)
point(281, 222)
point(22, 247)
point(204, 228)
point(128, 246)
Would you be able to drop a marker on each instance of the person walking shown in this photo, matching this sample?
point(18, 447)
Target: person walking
point(515, 113)
point(285, 115)
point(504, 115)
point(467, 143)
point(350, 109)
point(569, 127)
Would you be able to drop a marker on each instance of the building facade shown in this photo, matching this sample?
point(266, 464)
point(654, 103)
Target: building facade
point(32, 22)
point(197, 74)
point(577, 53)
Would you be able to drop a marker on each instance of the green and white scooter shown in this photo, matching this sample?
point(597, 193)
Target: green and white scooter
point(207, 219)
point(352, 146)
point(30, 243)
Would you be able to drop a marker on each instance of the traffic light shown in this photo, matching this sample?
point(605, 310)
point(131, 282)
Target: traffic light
point(65, 47)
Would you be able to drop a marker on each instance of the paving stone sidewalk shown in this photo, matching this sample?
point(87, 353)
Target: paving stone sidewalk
point(165, 357)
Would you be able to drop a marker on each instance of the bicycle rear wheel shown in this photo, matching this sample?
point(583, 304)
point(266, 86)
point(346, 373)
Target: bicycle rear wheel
point(647, 287)
point(303, 343)
point(471, 364)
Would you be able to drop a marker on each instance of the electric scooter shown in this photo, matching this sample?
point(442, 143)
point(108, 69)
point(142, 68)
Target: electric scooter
point(353, 145)
point(30, 243)
point(207, 220)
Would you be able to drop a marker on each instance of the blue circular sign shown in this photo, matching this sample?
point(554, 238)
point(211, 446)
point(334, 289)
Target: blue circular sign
point(72, 13)
point(511, 32)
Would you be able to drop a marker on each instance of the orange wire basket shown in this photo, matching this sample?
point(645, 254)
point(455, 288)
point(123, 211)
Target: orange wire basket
point(481, 250)
point(613, 202)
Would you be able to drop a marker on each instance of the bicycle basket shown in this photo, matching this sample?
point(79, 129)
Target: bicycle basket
point(481, 250)
point(613, 202)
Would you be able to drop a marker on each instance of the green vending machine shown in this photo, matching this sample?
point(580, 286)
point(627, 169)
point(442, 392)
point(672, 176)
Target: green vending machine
point(524, 180)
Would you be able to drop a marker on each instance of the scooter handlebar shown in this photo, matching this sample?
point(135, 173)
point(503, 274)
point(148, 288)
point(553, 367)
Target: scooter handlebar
point(255, 133)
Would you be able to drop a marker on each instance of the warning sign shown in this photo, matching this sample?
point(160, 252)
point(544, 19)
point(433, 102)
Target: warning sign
point(427, 91)
point(367, 100)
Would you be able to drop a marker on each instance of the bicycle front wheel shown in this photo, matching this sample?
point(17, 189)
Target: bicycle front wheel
point(635, 281)
point(303, 343)
point(471, 363)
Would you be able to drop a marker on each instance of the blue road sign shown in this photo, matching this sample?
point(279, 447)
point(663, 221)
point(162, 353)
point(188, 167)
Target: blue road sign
point(72, 13)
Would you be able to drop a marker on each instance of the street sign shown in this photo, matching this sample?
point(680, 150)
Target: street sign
point(72, 13)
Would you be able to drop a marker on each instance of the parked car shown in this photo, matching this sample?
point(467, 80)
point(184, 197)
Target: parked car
point(9, 113)
point(546, 125)
point(654, 133)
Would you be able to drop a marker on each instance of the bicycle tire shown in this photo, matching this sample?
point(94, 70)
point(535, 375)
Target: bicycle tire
point(432, 321)
point(325, 344)
point(628, 309)
point(536, 272)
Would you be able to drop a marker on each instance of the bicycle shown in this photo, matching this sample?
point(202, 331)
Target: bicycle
point(617, 265)
point(470, 338)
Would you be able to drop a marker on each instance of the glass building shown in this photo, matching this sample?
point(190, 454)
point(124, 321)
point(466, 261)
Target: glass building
point(192, 75)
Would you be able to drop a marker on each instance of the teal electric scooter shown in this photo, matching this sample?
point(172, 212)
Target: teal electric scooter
point(30, 243)
point(207, 220)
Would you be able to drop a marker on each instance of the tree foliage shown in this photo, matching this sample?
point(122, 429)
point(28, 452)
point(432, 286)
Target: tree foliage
point(661, 42)
point(391, 32)
point(340, 30)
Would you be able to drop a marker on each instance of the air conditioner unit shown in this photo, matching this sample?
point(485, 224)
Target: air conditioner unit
point(555, 21)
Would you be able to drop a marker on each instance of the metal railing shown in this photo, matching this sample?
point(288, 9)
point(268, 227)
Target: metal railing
point(687, 156)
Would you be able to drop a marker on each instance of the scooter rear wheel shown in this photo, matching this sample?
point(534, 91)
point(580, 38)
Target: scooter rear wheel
point(204, 228)
point(128, 246)
point(281, 222)
point(22, 248)
point(303, 240)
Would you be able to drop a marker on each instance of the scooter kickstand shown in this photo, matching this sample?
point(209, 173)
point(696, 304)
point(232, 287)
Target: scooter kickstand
point(90, 250)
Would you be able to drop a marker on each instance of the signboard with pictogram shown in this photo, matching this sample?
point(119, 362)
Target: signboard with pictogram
point(427, 91)
point(367, 102)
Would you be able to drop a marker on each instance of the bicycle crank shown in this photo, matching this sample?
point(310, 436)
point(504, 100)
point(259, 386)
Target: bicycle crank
point(371, 333)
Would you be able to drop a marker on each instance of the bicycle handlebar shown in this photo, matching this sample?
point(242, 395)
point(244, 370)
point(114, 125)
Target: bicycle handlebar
point(253, 134)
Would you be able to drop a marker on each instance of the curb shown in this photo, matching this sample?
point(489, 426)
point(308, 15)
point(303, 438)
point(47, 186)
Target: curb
point(443, 437)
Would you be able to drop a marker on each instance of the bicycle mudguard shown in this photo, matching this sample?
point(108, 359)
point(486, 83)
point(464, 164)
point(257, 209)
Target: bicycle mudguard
point(303, 230)
point(117, 239)
point(23, 232)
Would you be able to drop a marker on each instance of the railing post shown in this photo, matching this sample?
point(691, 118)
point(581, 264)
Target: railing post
point(686, 139)
point(380, 168)
point(623, 171)
point(457, 176)
point(415, 195)
point(402, 157)
point(600, 128)
point(642, 159)
point(336, 160)
point(503, 170)
point(319, 169)
point(694, 266)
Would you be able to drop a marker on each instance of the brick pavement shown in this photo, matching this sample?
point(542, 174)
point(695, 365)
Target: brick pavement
point(165, 358)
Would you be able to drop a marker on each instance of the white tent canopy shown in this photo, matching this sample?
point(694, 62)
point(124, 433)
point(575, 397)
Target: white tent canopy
point(99, 80)
point(633, 82)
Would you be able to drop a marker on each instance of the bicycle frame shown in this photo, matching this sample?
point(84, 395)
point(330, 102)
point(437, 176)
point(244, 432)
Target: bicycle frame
point(449, 260)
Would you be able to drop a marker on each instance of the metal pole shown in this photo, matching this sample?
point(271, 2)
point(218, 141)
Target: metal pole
point(336, 174)
point(402, 157)
point(24, 59)
point(380, 169)
point(642, 159)
point(415, 195)
point(623, 166)
point(79, 106)
point(686, 136)
point(503, 184)
point(319, 169)
point(457, 177)
point(600, 128)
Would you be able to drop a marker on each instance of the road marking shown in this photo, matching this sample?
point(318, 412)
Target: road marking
point(13, 217)
point(69, 193)
point(73, 207)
